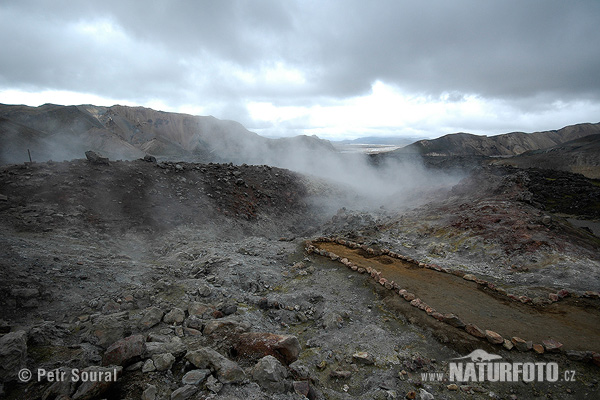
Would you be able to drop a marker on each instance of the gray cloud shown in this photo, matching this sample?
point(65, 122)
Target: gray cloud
point(530, 53)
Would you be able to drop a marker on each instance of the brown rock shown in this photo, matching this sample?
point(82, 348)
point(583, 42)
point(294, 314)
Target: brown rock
point(340, 374)
point(553, 297)
point(124, 350)
point(411, 395)
point(469, 277)
point(453, 320)
point(521, 344)
point(538, 348)
point(285, 348)
point(452, 386)
point(552, 345)
point(409, 296)
point(508, 345)
point(474, 330)
point(227, 370)
point(363, 357)
point(493, 337)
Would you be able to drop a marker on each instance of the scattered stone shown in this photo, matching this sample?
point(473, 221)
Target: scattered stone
point(148, 366)
point(425, 395)
point(493, 337)
point(225, 329)
point(452, 386)
point(538, 348)
point(124, 351)
point(474, 330)
point(285, 348)
point(563, 293)
point(98, 380)
point(411, 395)
point(270, 374)
point(469, 277)
point(106, 330)
point(304, 388)
point(521, 344)
point(175, 316)
point(362, 357)
point(227, 370)
point(340, 374)
point(204, 290)
point(96, 158)
point(553, 297)
point(149, 393)
point(454, 321)
point(194, 322)
point(175, 347)
point(195, 376)
point(184, 392)
point(213, 384)
point(508, 345)
point(409, 296)
point(13, 355)
point(149, 158)
point(152, 316)
point(164, 361)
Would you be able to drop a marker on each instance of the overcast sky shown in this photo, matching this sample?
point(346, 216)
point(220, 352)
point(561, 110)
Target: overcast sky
point(337, 69)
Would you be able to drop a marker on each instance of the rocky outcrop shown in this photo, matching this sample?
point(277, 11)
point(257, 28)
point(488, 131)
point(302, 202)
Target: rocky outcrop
point(13, 355)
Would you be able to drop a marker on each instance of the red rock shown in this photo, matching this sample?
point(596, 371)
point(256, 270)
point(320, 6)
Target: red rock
point(474, 330)
point(524, 299)
point(552, 345)
point(123, 351)
point(409, 296)
point(438, 316)
point(596, 359)
point(285, 348)
point(563, 293)
point(382, 281)
point(493, 337)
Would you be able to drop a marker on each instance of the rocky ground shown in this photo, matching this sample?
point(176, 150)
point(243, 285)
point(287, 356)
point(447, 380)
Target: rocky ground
point(192, 281)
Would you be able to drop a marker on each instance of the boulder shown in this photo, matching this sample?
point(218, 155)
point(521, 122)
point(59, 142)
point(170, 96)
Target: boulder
point(123, 351)
point(285, 348)
point(13, 355)
point(213, 384)
point(175, 316)
point(163, 362)
point(98, 380)
point(106, 330)
point(175, 347)
point(151, 317)
point(184, 392)
point(96, 158)
point(227, 370)
point(195, 376)
point(270, 374)
point(149, 393)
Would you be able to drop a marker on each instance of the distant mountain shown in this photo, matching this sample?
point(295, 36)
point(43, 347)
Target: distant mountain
point(508, 144)
point(66, 132)
point(383, 140)
point(580, 156)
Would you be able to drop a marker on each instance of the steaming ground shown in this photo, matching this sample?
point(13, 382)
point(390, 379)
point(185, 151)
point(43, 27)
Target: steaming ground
point(89, 250)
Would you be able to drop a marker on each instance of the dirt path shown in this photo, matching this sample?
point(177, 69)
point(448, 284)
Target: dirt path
point(575, 322)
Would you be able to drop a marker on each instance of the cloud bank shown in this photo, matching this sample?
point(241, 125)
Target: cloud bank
point(336, 68)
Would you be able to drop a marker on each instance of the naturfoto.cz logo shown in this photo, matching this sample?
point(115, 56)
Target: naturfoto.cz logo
point(480, 366)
